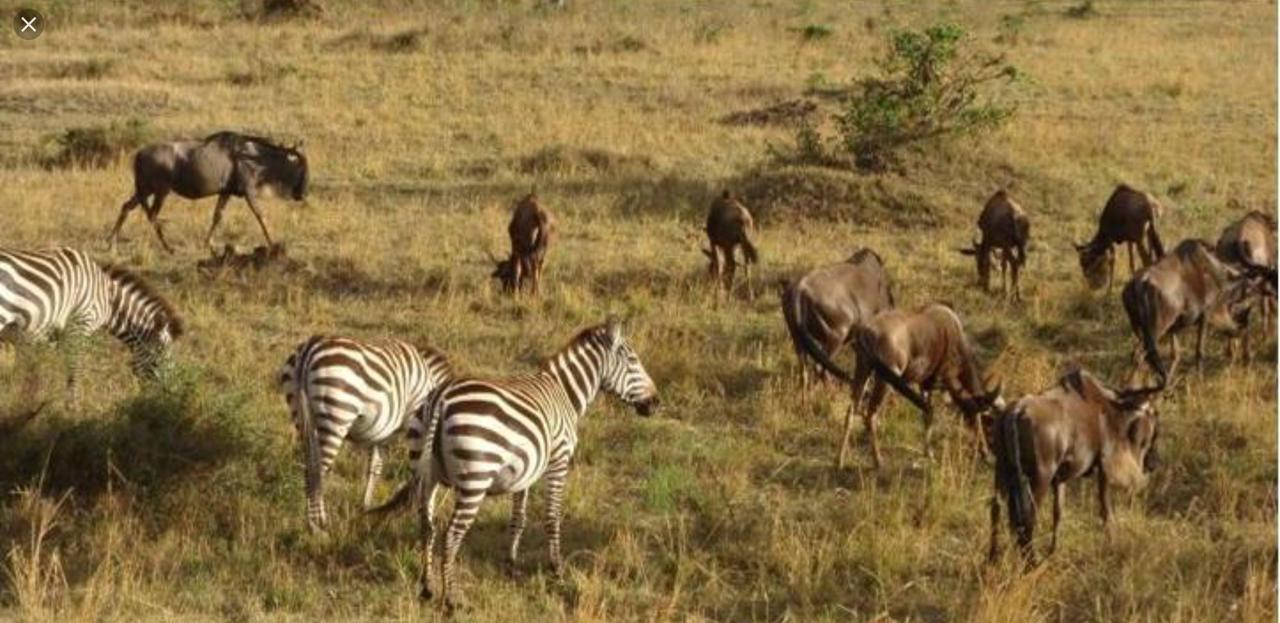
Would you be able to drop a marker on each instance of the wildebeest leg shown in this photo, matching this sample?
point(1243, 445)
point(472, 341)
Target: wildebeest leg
point(1017, 271)
point(253, 207)
point(1057, 515)
point(1200, 331)
point(153, 215)
point(993, 552)
point(927, 418)
point(1139, 361)
point(730, 267)
point(1111, 269)
point(1175, 354)
point(136, 200)
point(217, 218)
point(746, 274)
point(716, 269)
point(1104, 503)
point(869, 418)
point(1133, 268)
point(1004, 272)
point(860, 376)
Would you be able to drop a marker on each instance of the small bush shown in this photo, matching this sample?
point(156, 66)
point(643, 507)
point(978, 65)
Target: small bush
point(281, 9)
point(562, 160)
point(814, 32)
point(1082, 11)
point(91, 69)
point(929, 87)
point(261, 72)
point(97, 146)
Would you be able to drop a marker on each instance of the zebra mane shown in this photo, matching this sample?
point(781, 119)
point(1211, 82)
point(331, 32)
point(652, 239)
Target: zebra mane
point(129, 279)
point(591, 334)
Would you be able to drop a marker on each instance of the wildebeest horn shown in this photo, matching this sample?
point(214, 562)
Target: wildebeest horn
point(1080, 246)
point(1130, 398)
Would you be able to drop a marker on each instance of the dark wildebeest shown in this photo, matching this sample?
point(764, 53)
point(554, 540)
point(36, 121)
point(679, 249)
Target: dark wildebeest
point(531, 231)
point(729, 225)
point(1129, 217)
point(1251, 241)
point(826, 304)
point(1069, 431)
point(1005, 229)
point(927, 348)
point(226, 164)
point(1190, 286)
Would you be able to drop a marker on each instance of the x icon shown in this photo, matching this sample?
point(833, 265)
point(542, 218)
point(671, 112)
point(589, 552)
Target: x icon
point(28, 24)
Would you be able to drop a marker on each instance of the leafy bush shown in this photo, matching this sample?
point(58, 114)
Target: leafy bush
point(930, 87)
point(97, 146)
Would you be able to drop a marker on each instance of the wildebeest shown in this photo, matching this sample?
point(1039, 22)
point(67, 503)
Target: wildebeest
point(1129, 217)
point(826, 304)
point(226, 164)
point(531, 231)
point(927, 348)
point(1189, 286)
point(1251, 241)
point(1077, 427)
point(1005, 229)
point(729, 225)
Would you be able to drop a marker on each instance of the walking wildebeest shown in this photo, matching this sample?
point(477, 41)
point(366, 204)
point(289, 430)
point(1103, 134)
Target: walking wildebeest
point(927, 348)
point(1005, 229)
point(1251, 241)
point(226, 164)
point(531, 231)
point(1077, 427)
point(729, 225)
point(1129, 217)
point(1190, 286)
point(828, 302)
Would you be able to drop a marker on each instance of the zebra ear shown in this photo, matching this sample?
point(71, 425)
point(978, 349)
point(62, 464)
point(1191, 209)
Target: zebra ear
point(613, 328)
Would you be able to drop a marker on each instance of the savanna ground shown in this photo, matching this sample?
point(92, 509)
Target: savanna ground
point(424, 121)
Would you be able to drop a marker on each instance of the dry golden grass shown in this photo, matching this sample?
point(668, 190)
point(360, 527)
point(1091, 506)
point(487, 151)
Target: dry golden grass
point(186, 500)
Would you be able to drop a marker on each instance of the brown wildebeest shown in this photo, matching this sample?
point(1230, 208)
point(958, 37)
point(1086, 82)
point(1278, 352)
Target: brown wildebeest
point(1251, 241)
point(226, 164)
point(927, 348)
point(729, 225)
point(1190, 286)
point(828, 302)
point(1129, 217)
point(1005, 230)
point(531, 231)
point(1069, 431)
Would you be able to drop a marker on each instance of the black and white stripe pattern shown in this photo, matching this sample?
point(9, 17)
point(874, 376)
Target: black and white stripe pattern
point(64, 292)
point(340, 388)
point(502, 436)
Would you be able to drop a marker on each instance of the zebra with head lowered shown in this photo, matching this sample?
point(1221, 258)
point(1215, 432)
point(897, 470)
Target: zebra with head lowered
point(64, 292)
point(340, 388)
point(483, 437)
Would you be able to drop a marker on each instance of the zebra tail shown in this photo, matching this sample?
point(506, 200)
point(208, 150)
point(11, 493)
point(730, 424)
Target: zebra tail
point(1009, 476)
point(310, 438)
point(422, 444)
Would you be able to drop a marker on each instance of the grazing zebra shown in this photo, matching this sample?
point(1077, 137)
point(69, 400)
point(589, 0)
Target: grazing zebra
point(340, 388)
point(64, 293)
point(502, 436)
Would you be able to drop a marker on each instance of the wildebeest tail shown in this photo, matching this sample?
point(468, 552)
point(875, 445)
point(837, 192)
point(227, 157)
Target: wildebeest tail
point(1153, 240)
point(792, 305)
point(1008, 451)
point(888, 375)
point(1140, 305)
point(749, 251)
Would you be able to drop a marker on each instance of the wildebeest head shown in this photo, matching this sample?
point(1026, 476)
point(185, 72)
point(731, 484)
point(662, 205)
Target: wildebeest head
point(1094, 261)
point(1141, 424)
point(283, 170)
point(983, 258)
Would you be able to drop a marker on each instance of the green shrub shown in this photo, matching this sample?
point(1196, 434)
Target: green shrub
point(97, 146)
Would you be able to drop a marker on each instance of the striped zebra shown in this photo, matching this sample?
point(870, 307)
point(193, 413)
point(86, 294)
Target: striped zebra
point(501, 436)
point(340, 388)
point(63, 293)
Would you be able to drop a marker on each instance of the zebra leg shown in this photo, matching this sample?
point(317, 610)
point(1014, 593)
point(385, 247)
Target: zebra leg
point(426, 534)
point(372, 475)
point(519, 515)
point(73, 345)
point(466, 505)
point(556, 475)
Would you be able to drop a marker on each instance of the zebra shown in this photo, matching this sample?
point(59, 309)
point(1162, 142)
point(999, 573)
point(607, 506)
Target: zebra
point(499, 436)
point(340, 388)
point(63, 294)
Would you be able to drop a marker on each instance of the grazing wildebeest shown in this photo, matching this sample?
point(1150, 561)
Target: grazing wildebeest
point(1129, 217)
point(729, 225)
point(1190, 286)
point(927, 348)
point(828, 302)
point(226, 164)
point(1005, 229)
point(1077, 427)
point(1251, 241)
point(531, 231)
